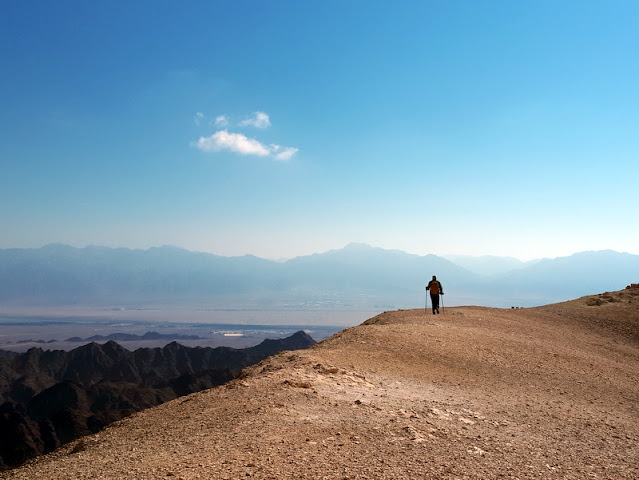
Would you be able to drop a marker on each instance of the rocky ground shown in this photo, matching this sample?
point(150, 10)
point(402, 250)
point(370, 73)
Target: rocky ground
point(473, 393)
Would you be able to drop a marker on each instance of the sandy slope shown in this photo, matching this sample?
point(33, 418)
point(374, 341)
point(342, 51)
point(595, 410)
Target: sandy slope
point(548, 392)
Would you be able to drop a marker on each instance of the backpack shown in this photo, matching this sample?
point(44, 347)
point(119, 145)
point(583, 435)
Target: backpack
point(434, 287)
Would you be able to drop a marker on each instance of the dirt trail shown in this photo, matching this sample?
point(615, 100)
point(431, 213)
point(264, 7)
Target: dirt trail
point(475, 393)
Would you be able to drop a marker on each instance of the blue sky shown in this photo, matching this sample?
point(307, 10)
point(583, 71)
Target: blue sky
point(286, 128)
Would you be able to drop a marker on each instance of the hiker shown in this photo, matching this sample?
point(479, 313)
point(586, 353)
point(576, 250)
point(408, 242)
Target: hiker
point(435, 290)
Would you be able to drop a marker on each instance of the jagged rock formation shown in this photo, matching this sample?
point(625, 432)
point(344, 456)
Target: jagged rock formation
point(473, 393)
point(52, 397)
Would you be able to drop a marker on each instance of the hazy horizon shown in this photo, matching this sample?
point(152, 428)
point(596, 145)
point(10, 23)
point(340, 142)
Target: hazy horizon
point(449, 256)
point(284, 128)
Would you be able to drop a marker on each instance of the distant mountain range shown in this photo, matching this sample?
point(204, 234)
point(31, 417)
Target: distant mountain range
point(355, 277)
point(120, 337)
point(131, 337)
point(489, 265)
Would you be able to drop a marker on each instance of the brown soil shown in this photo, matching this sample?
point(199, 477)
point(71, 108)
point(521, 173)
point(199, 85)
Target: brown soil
point(474, 393)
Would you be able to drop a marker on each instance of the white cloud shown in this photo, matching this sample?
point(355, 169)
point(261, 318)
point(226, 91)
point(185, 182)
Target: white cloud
point(234, 142)
point(286, 154)
point(220, 121)
point(258, 120)
point(238, 143)
point(197, 119)
point(283, 153)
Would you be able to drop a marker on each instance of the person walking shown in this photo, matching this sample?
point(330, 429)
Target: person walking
point(435, 291)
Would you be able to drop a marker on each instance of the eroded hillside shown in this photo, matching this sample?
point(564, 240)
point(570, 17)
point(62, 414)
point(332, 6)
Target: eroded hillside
point(473, 393)
point(52, 397)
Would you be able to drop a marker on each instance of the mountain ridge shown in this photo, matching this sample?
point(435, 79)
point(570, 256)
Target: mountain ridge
point(51, 397)
point(357, 277)
point(475, 392)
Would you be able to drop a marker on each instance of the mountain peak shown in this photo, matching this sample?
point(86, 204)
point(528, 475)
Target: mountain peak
point(358, 246)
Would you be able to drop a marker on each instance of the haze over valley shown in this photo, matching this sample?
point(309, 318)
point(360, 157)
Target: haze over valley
point(355, 278)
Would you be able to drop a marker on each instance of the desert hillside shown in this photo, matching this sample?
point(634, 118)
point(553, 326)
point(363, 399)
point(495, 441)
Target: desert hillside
point(473, 393)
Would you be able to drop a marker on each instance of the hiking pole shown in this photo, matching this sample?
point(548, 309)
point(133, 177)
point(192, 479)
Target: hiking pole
point(441, 297)
point(426, 304)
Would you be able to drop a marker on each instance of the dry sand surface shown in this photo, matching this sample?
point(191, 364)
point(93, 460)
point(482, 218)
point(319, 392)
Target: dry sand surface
point(474, 393)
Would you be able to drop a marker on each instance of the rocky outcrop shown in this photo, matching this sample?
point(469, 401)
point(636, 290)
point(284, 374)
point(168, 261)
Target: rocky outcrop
point(52, 397)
